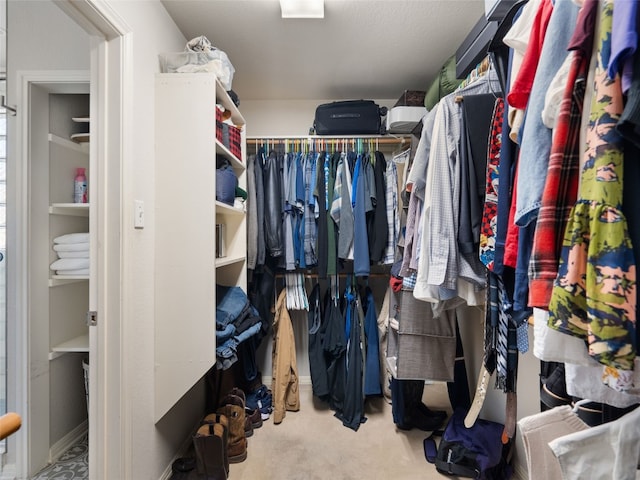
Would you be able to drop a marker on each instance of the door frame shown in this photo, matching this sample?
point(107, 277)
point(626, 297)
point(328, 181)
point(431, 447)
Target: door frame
point(111, 93)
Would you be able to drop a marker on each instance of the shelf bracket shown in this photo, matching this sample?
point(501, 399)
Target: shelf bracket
point(92, 318)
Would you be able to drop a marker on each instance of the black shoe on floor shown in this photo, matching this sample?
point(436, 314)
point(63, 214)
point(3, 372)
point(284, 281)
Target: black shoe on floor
point(415, 418)
point(431, 413)
point(553, 392)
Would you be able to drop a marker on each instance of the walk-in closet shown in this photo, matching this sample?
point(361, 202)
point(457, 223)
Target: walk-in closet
point(260, 239)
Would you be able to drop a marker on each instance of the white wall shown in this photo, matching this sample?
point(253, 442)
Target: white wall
point(150, 447)
point(42, 37)
point(278, 117)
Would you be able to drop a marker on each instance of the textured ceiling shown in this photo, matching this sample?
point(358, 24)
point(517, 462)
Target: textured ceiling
point(361, 49)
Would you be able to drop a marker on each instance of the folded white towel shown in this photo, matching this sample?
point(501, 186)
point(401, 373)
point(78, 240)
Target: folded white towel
point(80, 254)
point(69, 264)
point(71, 247)
point(79, 271)
point(72, 238)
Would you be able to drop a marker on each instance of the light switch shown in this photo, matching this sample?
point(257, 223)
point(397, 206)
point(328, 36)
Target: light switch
point(138, 214)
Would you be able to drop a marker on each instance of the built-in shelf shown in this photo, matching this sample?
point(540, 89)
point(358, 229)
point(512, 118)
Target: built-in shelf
point(225, 152)
point(224, 99)
point(57, 280)
point(224, 261)
point(223, 208)
point(185, 121)
point(75, 209)
point(63, 142)
point(81, 138)
point(78, 344)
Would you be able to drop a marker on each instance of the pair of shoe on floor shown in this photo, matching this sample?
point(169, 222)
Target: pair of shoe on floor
point(422, 417)
point(260, 399)
point(253, 417)
point(222, 437)
point(212, 444)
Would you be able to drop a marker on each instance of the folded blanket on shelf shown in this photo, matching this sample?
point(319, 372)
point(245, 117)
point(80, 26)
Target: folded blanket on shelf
point(69, 264)
point(78, 254)
point(72, 238)
point(79, 271)
point(71, 247)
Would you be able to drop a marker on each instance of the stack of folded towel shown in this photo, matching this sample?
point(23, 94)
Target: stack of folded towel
point(73, 254)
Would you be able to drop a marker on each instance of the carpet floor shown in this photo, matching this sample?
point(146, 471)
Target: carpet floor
point(312, 444)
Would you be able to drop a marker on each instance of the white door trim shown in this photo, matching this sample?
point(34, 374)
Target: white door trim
point(24, 370)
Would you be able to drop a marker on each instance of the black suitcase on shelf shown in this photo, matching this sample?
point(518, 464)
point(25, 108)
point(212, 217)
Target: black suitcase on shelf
point(349, 117)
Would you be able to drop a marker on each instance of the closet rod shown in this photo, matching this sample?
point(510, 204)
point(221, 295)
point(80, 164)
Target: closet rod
point(342, 275)
point(381, 141)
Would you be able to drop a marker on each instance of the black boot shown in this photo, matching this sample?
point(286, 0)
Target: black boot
point(209, 446)
point(215, 418)
point(415, 413)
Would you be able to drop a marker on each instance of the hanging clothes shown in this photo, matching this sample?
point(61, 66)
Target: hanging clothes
point(273, 206)
point(259, 207)
point(628, 127)
point(561, 186)
point(321, 201)
point(411, 236)
point(299, 224)
point(488, 225)
point(284, 384)
point(290, 217)
point(440, 266)
point(361, 262)
point(252, 215)
point(475, 128)
point(331, 169)
point(372, 365)
point(311, 210)
point(536, 146)
point(378, 226)
point(317, 359)
point(594, 294)
point(335, 346)
point(416, 181)
point(393, 219)
point(314, 218)
point(352, 414)
point(342, 208)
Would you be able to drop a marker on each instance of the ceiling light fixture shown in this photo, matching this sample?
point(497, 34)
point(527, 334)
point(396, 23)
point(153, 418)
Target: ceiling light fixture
point(302, 8)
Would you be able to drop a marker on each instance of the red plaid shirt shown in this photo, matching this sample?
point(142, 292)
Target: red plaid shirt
point(561, 187)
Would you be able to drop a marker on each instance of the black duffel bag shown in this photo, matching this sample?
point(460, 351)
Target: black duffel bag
point(349, 117)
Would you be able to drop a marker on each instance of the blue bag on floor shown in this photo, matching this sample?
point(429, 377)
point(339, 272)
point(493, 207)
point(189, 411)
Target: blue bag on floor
point(476, 452)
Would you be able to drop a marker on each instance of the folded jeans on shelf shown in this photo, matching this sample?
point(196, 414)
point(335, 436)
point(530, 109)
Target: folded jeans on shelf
point(225, 333)
point(232, 302)
point(249, 332)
